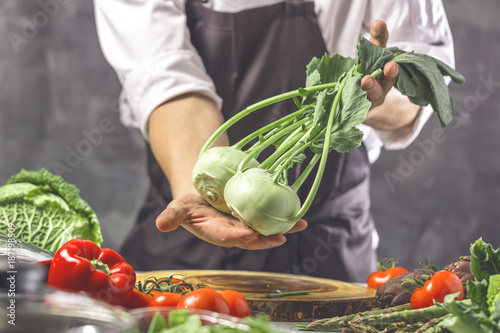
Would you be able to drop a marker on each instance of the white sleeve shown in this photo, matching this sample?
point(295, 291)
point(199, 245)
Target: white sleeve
point(147, 43)
point(413, 25)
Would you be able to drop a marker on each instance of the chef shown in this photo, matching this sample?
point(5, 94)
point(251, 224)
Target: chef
point(187, 65)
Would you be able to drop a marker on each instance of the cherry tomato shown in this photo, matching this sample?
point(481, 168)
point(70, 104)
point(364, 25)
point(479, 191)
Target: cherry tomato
point(137, 299)
point(238, 304)
point(439, 285)
point(165, 299)
point(205, 299)
point(378, 278)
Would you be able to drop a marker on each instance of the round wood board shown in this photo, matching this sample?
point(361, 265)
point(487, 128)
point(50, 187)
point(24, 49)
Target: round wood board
point(330, 298)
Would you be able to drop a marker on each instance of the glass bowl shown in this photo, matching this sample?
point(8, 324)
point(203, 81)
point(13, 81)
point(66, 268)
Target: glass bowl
point(62, 312)
point(143, 317)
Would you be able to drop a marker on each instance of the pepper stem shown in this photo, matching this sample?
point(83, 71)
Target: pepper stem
point(100, 266)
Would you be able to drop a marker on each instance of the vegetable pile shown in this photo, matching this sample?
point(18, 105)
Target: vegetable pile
point(80, 265)
point(427, 301)
point(332, 103)
point(41, 209)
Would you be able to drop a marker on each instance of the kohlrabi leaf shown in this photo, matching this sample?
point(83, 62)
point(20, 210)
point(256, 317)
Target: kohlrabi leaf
point(354, 104)
point(46, 211)
point(423, 95)
point(325, 70)
point(372, 57)
point(319, 110)
point(448, 71)
point(352, 110)
point(405, 84)
point(341, 141)
point(329, 69)
point(440, 99)
point(346, 139)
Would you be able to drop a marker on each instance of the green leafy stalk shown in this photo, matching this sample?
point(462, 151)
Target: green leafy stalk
point(305, 173)
point(259, 105)
point(261, 146)
point(290, 143)
point(286, 159)
point(276, 126)
point(324, 154)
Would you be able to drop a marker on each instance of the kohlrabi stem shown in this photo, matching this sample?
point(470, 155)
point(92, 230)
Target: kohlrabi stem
point(240, 144)
point(377, 72)
point(254, 107)
point(303, 176)
point(269, 141)
point(287, 157)
point(289, 142)
point(326, 148)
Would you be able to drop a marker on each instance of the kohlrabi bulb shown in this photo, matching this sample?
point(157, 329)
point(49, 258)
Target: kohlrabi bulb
point(260, 203)
point(212, 171)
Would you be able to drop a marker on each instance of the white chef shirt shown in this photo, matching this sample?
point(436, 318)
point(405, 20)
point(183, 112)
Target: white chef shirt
point(147, 43)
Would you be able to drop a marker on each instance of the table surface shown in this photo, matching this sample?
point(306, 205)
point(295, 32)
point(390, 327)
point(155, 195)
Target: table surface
point(286, 326)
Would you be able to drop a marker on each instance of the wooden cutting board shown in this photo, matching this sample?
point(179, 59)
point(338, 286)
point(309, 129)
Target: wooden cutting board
point(330, 298)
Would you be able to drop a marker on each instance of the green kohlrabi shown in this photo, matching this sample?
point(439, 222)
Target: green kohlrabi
point(43, 210)
point(329, 108)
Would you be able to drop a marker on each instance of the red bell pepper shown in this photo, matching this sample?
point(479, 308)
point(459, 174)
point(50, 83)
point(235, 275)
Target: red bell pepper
point(80, 265)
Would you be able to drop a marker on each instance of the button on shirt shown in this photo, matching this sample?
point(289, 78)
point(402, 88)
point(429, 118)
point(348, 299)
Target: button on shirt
point(147, 43)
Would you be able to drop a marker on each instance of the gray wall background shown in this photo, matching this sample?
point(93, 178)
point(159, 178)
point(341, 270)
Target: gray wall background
point(58, 111)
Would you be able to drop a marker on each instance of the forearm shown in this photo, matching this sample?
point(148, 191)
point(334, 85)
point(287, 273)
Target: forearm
point(395, 113)
point(178, 130)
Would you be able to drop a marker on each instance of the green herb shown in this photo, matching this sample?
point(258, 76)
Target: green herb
point(43, 210)
point(288, 293)
point(158, 323)
point(234, 180)
point(182, 321)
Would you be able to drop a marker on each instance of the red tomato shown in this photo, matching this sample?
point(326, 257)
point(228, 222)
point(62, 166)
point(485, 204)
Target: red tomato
point(165, 299)
point(205, 299)
point(238, 304)
point(378, 278)
point(439, 285)
point(137, 299)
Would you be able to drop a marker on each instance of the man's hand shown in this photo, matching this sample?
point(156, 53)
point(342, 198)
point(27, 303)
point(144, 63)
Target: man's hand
point(178, 129)
point(378, 89)
point(390, 110)
point(198, 217)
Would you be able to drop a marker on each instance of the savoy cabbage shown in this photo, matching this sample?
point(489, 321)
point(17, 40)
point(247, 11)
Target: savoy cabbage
point(42, 209)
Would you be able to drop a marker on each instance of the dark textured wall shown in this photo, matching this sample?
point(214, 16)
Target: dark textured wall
point(58, 111)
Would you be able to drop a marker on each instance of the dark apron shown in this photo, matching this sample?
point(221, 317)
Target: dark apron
point(248, 65)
